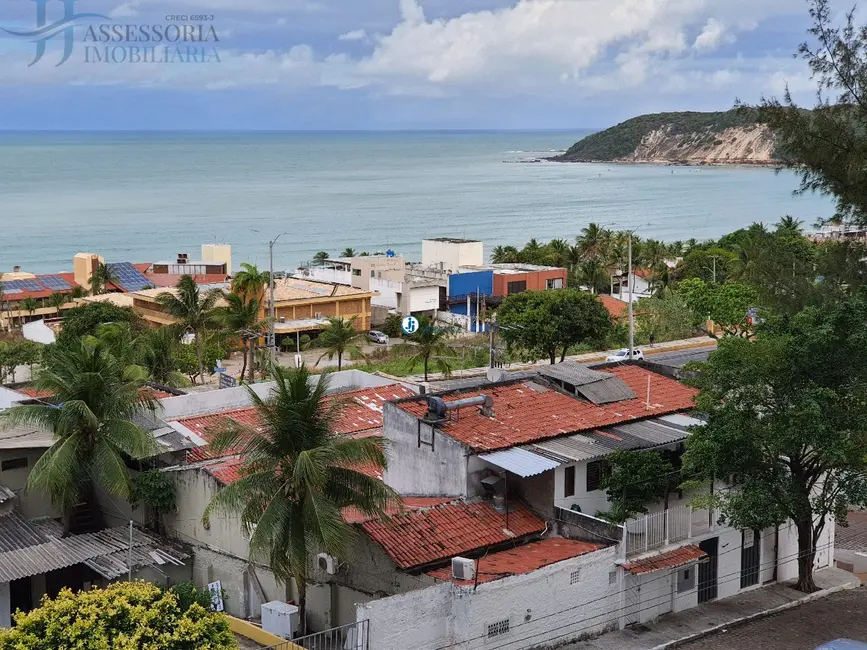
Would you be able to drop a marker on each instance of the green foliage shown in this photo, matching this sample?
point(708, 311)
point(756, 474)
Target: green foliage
point(704, 263)
point(667, 318)
point(545, 322)
point(296, 447)
point(622, 140)
point(785, 427)
point(321, 256)
point(101, 278)
point(188, 594)
point(339, 338)
point(213, 349)
point(85, 320)
point(18, 352)
point(727, 305)
point(634, 480)
point(431, 343)
point(393, 326)
point(123, 616)
point(29, 305)
point(154, 489)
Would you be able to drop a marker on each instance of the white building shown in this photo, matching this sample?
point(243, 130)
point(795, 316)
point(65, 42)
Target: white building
point(449, 254)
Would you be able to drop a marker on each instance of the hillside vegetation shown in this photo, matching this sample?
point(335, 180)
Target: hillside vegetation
point(690, 137)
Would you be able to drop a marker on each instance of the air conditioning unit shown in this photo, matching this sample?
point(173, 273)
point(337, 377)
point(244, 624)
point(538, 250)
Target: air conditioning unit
point(463, 568)
point(327, 563)
point(318, 316)
point(282, 319)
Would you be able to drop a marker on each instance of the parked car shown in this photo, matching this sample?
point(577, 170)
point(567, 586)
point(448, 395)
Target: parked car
point(843, 644)
point(378, 337)
point(623, 355)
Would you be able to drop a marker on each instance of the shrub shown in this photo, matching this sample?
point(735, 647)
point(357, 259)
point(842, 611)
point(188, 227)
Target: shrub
point(187, 594)
point(124, 616)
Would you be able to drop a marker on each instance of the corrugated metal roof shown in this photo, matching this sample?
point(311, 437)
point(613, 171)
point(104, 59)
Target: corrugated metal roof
point(35, 548)
point(25, 437)
point(574, 373)
point(598, 387)
point(652, 432)
point(575, 448)
point(6, 494)
point(681, 421)
point(520, 461)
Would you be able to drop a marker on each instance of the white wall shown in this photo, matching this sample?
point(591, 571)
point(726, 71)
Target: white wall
point(452, 255)
point(325, 274)
point(8, 397)
point(541, 607)
point(589, 502)
point(32, 503)
point(39, 332)
point(424, 299)
point(422, 470)
point(5, 606)
point(788, 552)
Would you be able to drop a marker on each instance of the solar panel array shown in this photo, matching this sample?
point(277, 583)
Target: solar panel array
point(54, 282)
point(129, 277)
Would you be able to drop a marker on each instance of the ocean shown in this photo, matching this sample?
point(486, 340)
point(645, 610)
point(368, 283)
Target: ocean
point(144, 197)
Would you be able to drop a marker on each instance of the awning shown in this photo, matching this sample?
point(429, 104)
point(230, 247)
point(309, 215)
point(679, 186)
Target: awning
point(669, 560)
point(520, 461)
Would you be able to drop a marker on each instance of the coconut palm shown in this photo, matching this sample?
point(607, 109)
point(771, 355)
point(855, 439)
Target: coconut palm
point(592, 240)
point(297, 476)
point(348, 252)
point(57, 300)
point(77, 292)
point(559, 252)
point(92, 418)
point(593, 275)
point(193, 311)
point(250, 282)
point(241, 316)
point(505, 255)
point(789, 225)
point(339, 338)
point(158, 350)
point(430, 343)
point(101, 278)
point(321, 256)
point(29, 305)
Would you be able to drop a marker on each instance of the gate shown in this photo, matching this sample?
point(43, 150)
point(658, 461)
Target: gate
point(707, 581)
point(346, 637)
point(750, 557)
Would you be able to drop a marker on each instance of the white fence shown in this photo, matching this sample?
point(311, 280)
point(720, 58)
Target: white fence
point(657, 529)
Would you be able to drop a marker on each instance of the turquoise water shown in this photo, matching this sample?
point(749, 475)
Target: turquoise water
point(146, 197)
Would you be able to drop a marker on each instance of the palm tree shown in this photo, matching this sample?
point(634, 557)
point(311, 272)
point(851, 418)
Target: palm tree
point(321, 256)
point(158, 356)
point(592, 240)
point(559, 255)
point(348, 252)
point(297, 476)
point(57, 300)
point(241, 316)
point(101, 278)
point(250, 282)
point(339, 338)
point(92, 418)
point(789, 225)
point(29, 305)
point(193, 310)
point(505, 255)
point(77, 292)
point(593, 275)
point(431, 343)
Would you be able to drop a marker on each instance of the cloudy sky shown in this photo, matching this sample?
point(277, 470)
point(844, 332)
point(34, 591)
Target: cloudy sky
point(411, 64)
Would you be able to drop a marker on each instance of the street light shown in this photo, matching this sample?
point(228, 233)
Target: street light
point(272, 341)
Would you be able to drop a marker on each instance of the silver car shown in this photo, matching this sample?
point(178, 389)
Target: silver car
point(378, 337)
point(843, 644)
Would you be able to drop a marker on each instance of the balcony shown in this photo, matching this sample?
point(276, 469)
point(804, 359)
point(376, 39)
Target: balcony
point(659, 529)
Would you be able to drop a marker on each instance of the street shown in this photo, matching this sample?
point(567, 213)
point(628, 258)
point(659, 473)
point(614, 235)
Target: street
point(839, 615)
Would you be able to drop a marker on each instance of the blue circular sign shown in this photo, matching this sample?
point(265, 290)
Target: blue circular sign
point(410, 324)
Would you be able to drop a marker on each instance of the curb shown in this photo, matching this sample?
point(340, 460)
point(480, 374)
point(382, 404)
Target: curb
point(758, 615)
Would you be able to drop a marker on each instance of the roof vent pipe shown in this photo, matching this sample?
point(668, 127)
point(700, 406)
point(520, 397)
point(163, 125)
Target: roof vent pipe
point(437, 407)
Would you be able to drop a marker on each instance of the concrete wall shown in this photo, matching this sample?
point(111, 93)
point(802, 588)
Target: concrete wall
point(468, 283)
point(5, 606)
point(542, 607)
point(589, 502)
point(325, 274)
point(8, 397)
point(422, 470)
point(32, 503)
point(424, 299)
point(536, 280)
point(452, 254)
point(788, 550)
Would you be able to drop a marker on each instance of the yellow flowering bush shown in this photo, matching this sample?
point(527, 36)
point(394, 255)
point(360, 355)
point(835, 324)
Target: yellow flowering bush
point(124, 616)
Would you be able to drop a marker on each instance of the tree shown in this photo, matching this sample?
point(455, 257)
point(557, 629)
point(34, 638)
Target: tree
point(339, 338)
point(827, 145)
point(593, 241)
point(124, 616)
point(16, 353)
point(296, 446)
point(545, 322)
point(727, 305)
point(667, 318)
point(92, 418)
point(159, 351)
point(348, 252)
point(788, 225)
point(193, 310)
point(103, 275)
point(785, 424)
point(430, 342)
point(57, 300)
point(250, 282)
point(393, 325)
point(86, 319)
point(707, 264)
point(29, 305)
point(321, 256)
point(635, 479)
point(505, 255)
point(241, 316)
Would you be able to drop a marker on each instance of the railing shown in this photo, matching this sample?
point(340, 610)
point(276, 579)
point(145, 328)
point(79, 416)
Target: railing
point(346, 637)
point(657, 529)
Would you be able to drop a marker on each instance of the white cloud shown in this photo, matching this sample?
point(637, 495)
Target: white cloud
point(713, 35)
point(354, 35)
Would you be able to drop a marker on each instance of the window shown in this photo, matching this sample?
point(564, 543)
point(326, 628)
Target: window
point(569, 481)
point(13, 463)
point(574, 576)
point(516, 287)
point(595, 472)
point(372, 273)
point(356, 272)
point(554, 283)
point(685, 580)
point(498, 629)
point(612, 577)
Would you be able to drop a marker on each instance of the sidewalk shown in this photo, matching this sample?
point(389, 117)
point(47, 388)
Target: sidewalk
point(675, 629)
point(589, 357)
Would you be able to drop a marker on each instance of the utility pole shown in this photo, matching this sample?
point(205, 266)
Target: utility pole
point(629, 283)
point(491, 331)
point(129, 557)
point(272, 340)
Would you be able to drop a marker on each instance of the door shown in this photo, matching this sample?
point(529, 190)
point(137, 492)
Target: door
point(707, 570)
point(633, 598)
point(750, 558)
point(20, 595)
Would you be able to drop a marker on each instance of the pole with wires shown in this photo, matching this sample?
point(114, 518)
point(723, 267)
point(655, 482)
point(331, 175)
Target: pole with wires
point(129, 557)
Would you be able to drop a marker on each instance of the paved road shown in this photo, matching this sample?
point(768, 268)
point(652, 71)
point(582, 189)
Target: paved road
point(840, 615)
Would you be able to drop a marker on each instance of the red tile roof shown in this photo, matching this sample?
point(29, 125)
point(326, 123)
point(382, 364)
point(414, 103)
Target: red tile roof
point(417, 538)
point(522, 559)
point(616, 308)
point(227, 470)
point(34, 393)
point(642, 273)
point(523, 415)
point(352, 515)
point(361, 412)
point(670, 560)
point(45, 291)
